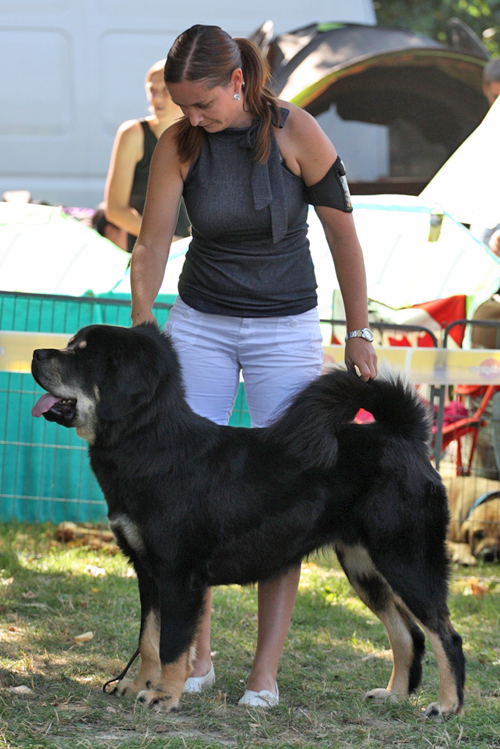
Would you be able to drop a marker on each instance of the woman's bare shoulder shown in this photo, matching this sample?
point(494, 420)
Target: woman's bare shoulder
point(167, 142)
point(166, 150)
point(299, 122)
point(131, 129)
point(130, 136)
point(306, 149)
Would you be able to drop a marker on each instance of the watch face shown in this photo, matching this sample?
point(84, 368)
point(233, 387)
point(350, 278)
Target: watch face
point(367, 334)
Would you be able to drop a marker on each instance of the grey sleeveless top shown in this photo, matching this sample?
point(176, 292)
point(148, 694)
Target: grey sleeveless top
point(249, 255)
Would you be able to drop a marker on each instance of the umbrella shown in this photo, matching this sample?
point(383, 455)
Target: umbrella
point(42, 250)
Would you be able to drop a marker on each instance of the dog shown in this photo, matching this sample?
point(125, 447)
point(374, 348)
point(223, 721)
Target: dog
point(474, 530)
point(193, 504)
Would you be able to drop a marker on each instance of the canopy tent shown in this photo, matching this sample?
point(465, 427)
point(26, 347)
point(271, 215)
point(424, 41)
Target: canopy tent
point(377, 74)
point(411, 280)
point(467, 185)
point(43, 250)
point(168, 289)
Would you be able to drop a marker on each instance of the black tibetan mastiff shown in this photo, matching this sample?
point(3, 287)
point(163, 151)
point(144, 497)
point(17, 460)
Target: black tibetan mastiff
point(194, 504)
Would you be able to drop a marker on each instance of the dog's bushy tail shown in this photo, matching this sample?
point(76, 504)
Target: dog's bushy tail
point(309, 426)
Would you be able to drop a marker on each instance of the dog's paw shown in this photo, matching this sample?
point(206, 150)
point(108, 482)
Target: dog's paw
point(435, 711)
point(127, 686)
point(461, 554)
point(158, 700)
point(381, 695)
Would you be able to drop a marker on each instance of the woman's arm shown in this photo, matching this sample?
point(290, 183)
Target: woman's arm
point(347, 255)
point(152, 248)
point(314, 154)
point(128, 149)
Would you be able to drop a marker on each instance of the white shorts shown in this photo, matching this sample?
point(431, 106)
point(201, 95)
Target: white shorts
point(277, 357)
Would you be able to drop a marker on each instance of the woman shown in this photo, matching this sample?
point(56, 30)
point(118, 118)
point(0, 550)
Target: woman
point(135, 141)
point(247, 165)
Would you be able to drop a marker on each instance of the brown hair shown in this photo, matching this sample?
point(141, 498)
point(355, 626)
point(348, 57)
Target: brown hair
point(207, 53)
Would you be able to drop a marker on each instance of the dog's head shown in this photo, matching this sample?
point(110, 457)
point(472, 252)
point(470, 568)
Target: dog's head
point(104, 374)
point(480, 530)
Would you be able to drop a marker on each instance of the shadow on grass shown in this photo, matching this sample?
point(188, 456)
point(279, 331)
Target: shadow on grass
point(336, 650)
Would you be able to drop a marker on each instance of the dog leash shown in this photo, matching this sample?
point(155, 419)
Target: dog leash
point(123, 673)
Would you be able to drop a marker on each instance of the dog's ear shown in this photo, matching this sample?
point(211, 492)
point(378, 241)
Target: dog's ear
point(132, 376)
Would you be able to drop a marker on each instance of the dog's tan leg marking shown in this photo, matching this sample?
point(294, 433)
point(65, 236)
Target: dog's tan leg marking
point(448, 702)
point(358, 563)
point(167, 693)
point(149, 670)
point(402, 653)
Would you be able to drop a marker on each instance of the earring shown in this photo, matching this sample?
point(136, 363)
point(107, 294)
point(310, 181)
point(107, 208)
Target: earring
point(237, 97)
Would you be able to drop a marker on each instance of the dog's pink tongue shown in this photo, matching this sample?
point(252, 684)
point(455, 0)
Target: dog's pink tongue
point(44, 404)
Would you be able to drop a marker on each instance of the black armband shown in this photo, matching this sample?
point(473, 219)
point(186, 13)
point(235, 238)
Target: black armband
point(331, 191)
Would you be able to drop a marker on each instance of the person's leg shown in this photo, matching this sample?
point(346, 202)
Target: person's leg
point(204, 345)
point(279, 357)
point(276, 599)
point(202, 662)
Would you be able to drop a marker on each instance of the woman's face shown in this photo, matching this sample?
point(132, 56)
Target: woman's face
point(158, 95)
point(213, 108)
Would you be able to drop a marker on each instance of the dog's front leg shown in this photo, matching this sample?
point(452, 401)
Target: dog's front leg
point(149, 638)
point(180, 610)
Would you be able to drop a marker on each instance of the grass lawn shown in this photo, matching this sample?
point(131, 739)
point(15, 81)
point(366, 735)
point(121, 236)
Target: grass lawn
point(336, 651)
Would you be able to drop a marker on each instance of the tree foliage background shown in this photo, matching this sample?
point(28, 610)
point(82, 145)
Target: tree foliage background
point(429, 18)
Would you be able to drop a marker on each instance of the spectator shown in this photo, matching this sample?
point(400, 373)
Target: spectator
point(135, 141)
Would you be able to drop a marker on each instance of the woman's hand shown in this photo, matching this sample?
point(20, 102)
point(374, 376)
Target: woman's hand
point(360, 354)
point(139, 319)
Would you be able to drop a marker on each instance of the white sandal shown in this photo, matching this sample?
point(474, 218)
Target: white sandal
point(264, 698)
point(200, 683)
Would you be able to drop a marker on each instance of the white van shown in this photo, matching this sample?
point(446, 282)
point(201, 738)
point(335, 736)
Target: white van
point(73, 70)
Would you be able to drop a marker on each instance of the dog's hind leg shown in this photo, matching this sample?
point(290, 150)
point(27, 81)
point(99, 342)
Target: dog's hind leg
point(406, 639)
point(149, 638)
point(420, 589)
point(181, 605)
point(447, 646)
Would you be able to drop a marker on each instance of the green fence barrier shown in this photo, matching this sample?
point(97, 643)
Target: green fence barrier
point(44, 469)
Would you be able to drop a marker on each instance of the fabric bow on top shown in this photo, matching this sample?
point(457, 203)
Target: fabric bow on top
point(268, 186)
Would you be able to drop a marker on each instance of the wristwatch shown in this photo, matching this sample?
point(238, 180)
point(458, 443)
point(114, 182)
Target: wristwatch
point(363, 333)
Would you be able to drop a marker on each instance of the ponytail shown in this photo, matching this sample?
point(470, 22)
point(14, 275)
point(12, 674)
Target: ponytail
point(259, 97)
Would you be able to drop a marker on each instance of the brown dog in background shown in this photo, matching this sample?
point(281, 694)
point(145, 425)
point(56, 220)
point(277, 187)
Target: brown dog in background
point(474, 532)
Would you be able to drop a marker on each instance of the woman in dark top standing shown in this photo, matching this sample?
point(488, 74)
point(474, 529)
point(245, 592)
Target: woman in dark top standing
point(135, 141)
point(247, 166)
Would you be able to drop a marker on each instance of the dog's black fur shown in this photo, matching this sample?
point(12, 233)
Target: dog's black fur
point(194, 504)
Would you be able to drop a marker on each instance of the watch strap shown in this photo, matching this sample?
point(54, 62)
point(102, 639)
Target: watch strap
point(365, 333)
